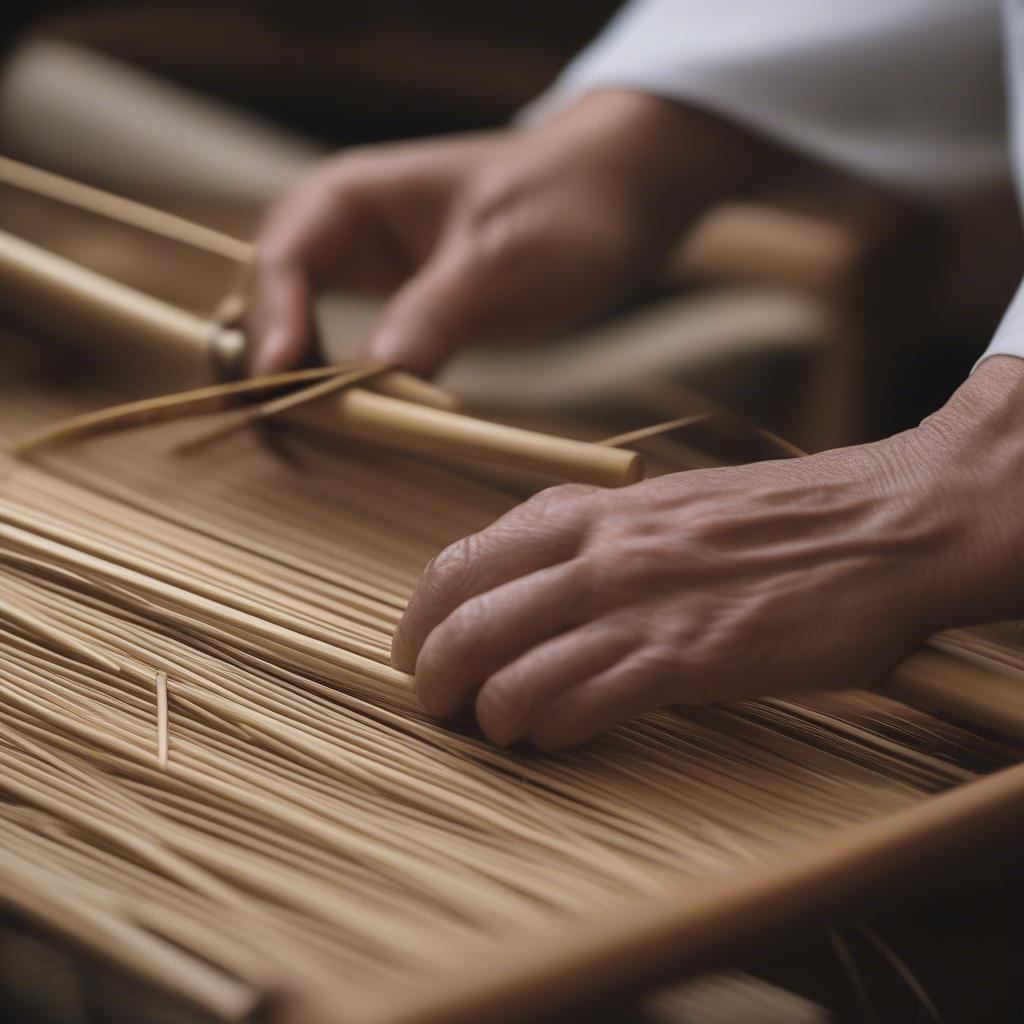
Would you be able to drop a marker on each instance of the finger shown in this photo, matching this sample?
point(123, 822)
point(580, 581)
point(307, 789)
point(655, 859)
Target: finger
point(507, 703)
point(479, 286)
point(543, 531)
point(303, 242)
point(492, 629)
point(629, 688)
point(281, 322)
point(434, 313)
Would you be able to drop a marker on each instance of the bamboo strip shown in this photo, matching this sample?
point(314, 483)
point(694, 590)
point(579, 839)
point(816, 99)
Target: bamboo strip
point(251, 417)
point(61, 639)
point(126, 211)
point(311, 806)
point(161, 718)
point(371, 417)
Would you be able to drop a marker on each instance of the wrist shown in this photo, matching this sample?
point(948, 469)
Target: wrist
point(969, 455)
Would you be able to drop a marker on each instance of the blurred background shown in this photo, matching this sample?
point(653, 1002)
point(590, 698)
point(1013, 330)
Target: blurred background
point(829, 313)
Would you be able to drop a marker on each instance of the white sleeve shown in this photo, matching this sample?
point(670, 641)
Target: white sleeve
point(905, 93)
point(1009, 337)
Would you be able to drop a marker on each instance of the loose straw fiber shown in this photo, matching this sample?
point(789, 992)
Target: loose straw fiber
point(212, 775)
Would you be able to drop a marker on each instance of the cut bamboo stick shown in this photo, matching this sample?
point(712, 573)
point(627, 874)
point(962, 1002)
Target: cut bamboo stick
point(34, 278)
point(161, 719)
point(385, 420)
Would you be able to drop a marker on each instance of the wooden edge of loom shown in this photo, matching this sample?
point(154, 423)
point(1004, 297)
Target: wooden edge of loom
point(695, 926)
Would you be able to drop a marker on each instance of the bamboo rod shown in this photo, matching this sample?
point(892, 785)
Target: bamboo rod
point(34, 277)
point(32, 272)
point(367, 416)
point(227, 344)
point(936, 678)
point(695, 926)
point(385, 420)
point(126, 211)
point(275, 406)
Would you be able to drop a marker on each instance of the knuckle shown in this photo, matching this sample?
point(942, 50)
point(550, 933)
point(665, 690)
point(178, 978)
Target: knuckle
point(560, 500)
point(499, 223)
point(339, 172)
point(660, 660)
point(484, 196)
point(271, 258)
point(677, 667)
point(449, 570)
point(596, 580)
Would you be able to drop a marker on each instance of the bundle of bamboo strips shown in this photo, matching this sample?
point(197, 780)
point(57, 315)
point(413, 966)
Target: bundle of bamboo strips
point(213, 776)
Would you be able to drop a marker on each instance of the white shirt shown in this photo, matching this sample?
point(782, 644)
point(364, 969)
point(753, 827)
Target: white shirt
point(910, 94)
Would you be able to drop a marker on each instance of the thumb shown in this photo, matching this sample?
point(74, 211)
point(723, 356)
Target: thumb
point(280, 319)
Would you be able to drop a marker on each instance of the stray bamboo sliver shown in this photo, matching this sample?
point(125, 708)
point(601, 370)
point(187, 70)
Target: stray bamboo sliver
point(314, 392)
point(161, 719)
point(162, 409)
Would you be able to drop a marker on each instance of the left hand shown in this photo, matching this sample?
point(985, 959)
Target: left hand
point(582, 608)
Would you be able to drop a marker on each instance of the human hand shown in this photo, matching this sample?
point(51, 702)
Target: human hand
point(583, 607)
point(494, 237)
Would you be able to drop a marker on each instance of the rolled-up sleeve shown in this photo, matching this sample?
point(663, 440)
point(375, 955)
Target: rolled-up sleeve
point(907, 94)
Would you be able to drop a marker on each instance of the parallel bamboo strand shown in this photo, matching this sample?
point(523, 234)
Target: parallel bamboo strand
point(211, 774)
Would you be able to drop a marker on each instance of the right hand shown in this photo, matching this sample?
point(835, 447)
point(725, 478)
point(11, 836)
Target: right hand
point(486, 238)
